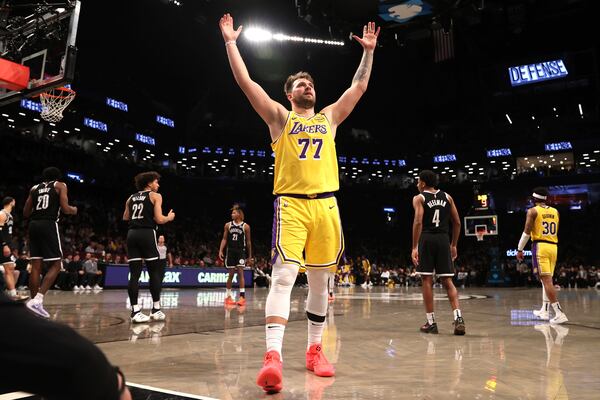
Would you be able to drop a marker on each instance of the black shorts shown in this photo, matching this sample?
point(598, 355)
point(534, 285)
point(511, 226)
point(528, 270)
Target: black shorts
point(44, 240)
point(434, 255)
point(141, 245)
point(234, 259)
point(6, 260)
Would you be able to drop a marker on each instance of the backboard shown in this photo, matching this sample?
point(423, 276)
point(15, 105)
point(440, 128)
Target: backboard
point(41, 36)
point(479, 223)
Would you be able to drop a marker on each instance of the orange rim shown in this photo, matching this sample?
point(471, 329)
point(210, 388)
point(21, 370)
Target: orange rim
point(62, 88)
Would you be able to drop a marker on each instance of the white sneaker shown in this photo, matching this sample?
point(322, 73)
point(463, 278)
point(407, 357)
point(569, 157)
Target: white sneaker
point(37, 308)
point(158, 316)
point(139, 317)
point(364, 285)
point(543, 315)
point(76, 287)
point(98, 287)
point(559, 319)
point(88, 287)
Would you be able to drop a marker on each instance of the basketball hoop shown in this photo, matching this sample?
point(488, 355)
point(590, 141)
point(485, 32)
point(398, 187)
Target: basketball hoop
point(54, 102)
point(480, 232)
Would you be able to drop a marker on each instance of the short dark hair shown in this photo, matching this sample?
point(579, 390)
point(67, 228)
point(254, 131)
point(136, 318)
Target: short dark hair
point(289, 82)
point(542, 191)
point(51, 174)
point(429, 177)
point(7, 200)
point(143, 179)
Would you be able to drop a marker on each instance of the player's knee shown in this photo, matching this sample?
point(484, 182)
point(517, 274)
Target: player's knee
point(284, 277)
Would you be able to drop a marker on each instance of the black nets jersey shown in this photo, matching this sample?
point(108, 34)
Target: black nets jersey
point(7, 228)
point(436, 215)
point(236, 238)
point(45, 202)
point(141, 211)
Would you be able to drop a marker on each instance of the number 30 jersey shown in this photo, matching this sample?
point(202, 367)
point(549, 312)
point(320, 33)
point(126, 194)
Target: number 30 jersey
point(545, 227)
point(141, 211)
point(305, 157)
point(45, 202)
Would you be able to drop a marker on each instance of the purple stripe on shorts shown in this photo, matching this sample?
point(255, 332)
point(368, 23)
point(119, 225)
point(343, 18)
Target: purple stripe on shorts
point(534, 259)
point(275, 230)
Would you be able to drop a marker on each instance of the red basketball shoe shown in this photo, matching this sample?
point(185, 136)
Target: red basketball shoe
point(316, 361)
point(270, 376)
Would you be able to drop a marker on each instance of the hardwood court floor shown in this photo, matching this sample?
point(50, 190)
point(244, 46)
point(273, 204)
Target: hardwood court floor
point(372, 337)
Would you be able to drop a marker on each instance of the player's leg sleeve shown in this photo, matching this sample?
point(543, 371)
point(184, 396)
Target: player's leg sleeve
point(317, 291)
point(282, 282)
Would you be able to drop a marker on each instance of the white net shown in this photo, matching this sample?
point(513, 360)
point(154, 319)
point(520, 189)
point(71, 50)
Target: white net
point(54, 103)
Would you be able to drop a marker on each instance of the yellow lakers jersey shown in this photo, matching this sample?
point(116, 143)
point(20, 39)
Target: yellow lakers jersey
point(545, 227)
point(305, 157)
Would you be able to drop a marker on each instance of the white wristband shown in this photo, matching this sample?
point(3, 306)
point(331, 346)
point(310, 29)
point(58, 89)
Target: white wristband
point(227, 43)
point(523, 241)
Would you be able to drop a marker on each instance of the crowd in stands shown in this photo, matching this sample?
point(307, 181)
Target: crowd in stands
point(96, 235)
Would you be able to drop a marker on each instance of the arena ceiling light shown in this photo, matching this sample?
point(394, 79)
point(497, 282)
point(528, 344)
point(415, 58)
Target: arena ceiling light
point(261, 35)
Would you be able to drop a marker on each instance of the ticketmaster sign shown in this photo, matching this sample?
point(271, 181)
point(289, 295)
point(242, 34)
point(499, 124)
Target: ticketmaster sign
point(525, 74)
point(118, 276)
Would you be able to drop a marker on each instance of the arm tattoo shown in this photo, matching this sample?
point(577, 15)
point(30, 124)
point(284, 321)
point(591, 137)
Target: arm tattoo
point(364, 69)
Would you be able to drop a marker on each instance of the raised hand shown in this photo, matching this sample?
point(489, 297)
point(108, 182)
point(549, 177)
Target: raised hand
point(226, 25)
point(369, 38)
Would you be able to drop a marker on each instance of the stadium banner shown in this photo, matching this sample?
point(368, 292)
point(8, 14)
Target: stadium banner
point(118, 276)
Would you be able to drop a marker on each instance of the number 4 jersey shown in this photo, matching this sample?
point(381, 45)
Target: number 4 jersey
point(545, 227)
point(436, 214)
point(305, 157)
point(141, 211)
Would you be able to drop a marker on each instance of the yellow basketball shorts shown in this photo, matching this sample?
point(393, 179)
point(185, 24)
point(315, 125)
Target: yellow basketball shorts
point(308, 232)
point(544, 257)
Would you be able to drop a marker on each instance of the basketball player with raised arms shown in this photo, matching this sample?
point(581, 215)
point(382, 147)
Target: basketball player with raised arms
point(235, 249)
point(432, 251)
point(306, 217)
point(541, 225)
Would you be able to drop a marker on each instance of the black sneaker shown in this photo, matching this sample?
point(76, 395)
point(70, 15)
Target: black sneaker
point(459, 326)
point(429, 328)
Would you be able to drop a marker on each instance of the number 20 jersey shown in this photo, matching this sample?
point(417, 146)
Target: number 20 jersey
point(305, 157)
point(45, 202)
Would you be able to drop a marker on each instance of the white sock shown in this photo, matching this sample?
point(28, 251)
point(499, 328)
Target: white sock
point(39, 298)
point(274, 334)
point(156, 305)
point(557, 309)
point(315, 332)
point(137, 308)
point(430, 318)
point(228, 294)
point(544, 295)
point(12, 292)
point(243, 290)
point(457, 313)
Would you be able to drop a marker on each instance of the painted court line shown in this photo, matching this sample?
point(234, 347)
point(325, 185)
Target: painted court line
point(155, 389)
